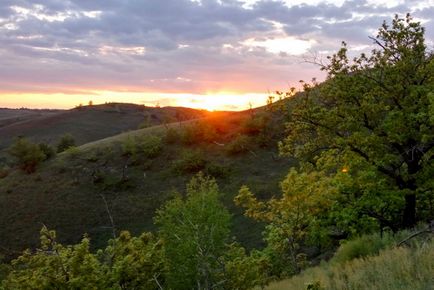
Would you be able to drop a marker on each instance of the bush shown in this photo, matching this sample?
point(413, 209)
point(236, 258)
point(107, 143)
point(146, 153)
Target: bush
point(199, 132)
point(190, 162)
point(151, 146)
point(172, 136)
point(396, 268)
point(65, 142)
point(28, 155)
point(4, 171)
point(48, 150)
point(239, 145)
point(367, 245)
point(217, 171)
point(254, 125)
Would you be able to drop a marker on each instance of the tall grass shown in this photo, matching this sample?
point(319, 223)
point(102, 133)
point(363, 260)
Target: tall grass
point(393, 269)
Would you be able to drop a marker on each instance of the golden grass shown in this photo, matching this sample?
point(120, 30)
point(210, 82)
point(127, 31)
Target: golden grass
point(394, 269)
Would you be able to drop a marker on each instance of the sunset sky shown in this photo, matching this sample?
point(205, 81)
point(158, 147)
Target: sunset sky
point(212, 54)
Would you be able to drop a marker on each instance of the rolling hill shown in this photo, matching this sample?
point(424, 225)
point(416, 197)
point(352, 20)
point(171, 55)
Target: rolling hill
point(85, 124)
point(69, 193)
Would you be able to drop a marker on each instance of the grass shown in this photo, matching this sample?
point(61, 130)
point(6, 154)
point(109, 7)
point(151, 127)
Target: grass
point(398, 268)
point(89, 123)
point(65, 192)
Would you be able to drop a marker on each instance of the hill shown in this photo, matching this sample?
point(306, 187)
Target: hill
point(85, 124)
point(12, 116)
point(69, 193)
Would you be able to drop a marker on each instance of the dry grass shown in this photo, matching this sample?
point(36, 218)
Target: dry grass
point(394, 269)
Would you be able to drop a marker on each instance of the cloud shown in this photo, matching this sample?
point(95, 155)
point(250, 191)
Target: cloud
point(155, 46)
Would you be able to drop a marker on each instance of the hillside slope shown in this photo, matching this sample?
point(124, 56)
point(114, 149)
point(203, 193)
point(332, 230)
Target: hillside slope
point(68, 193)
point(88, 123)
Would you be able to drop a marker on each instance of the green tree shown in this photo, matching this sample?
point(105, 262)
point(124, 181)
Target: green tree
point(27, 154)
point(195, 231)
point(126, 263)
point(66, 142)
point(372, 119)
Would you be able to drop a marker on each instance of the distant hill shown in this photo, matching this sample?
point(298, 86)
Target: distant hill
point(11, 116)
point(87, 123)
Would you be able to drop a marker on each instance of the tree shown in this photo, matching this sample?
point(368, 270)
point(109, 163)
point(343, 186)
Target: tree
point(195, 231)
point(27, 154)
point(66, 142)
point(372, 117)
point(293, 218)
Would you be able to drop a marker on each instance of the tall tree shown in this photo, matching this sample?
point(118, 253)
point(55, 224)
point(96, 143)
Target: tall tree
point(373, 115)
point(195, 232)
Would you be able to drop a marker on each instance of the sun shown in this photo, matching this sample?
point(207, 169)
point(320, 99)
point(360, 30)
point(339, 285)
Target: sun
point(224, 101)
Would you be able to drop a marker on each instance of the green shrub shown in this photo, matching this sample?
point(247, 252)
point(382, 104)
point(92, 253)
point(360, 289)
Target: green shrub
point(129, 146)
point(4, 171)
point(199, 132)
point(217, 171)
point(148, 146)
point(65, 142)
point(151, 146)
point(367, 245)
point(191, 161)
point(48, 150)
point(395, 268)
point(239, 145)
point(28, 155)
point(254, 125)
point(172, 136)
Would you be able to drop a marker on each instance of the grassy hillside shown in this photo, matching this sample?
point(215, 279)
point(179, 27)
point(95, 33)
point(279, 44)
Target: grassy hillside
point(87, 123)
point(68, 193)
point(12, 116)
point(393, 269)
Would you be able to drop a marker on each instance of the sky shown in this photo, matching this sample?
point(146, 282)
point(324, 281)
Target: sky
point(211, 54)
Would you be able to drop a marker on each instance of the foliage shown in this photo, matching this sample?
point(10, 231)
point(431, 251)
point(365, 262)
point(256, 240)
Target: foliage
point(293, 218)
point(65, 142)
point(367, 245)
point(126, 263)
point(254, 125)
point(198, 132)
point(373, 114)
point(28, 155)
point(4, 171)
point(148, 146)
point(397, 268)
point(191, 161)
point(172, 136)
point(243, 271)
point(241, 144)
point(48, 151)
point(151, 146)
point(194, 231)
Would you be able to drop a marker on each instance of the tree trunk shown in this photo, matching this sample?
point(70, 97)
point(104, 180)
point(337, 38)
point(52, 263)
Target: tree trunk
point(409, 216)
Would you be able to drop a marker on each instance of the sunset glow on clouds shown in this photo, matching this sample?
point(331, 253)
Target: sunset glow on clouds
point(213, 54)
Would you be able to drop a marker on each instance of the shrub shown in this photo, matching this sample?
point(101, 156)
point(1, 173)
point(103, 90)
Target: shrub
point(151, 146)
point(148, 146)
point(28, 155)
point(172, 136)
point(4, 171)
point(217, 171)
point(190, 162)
point(239, 145)
point(198, 132)
point(254, 125)
point(129, 147)
point(367, 245)
point(48, 150)
point(65, 142)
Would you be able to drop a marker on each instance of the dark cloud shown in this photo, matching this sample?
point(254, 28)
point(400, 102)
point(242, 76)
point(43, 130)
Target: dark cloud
point(153, 44)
